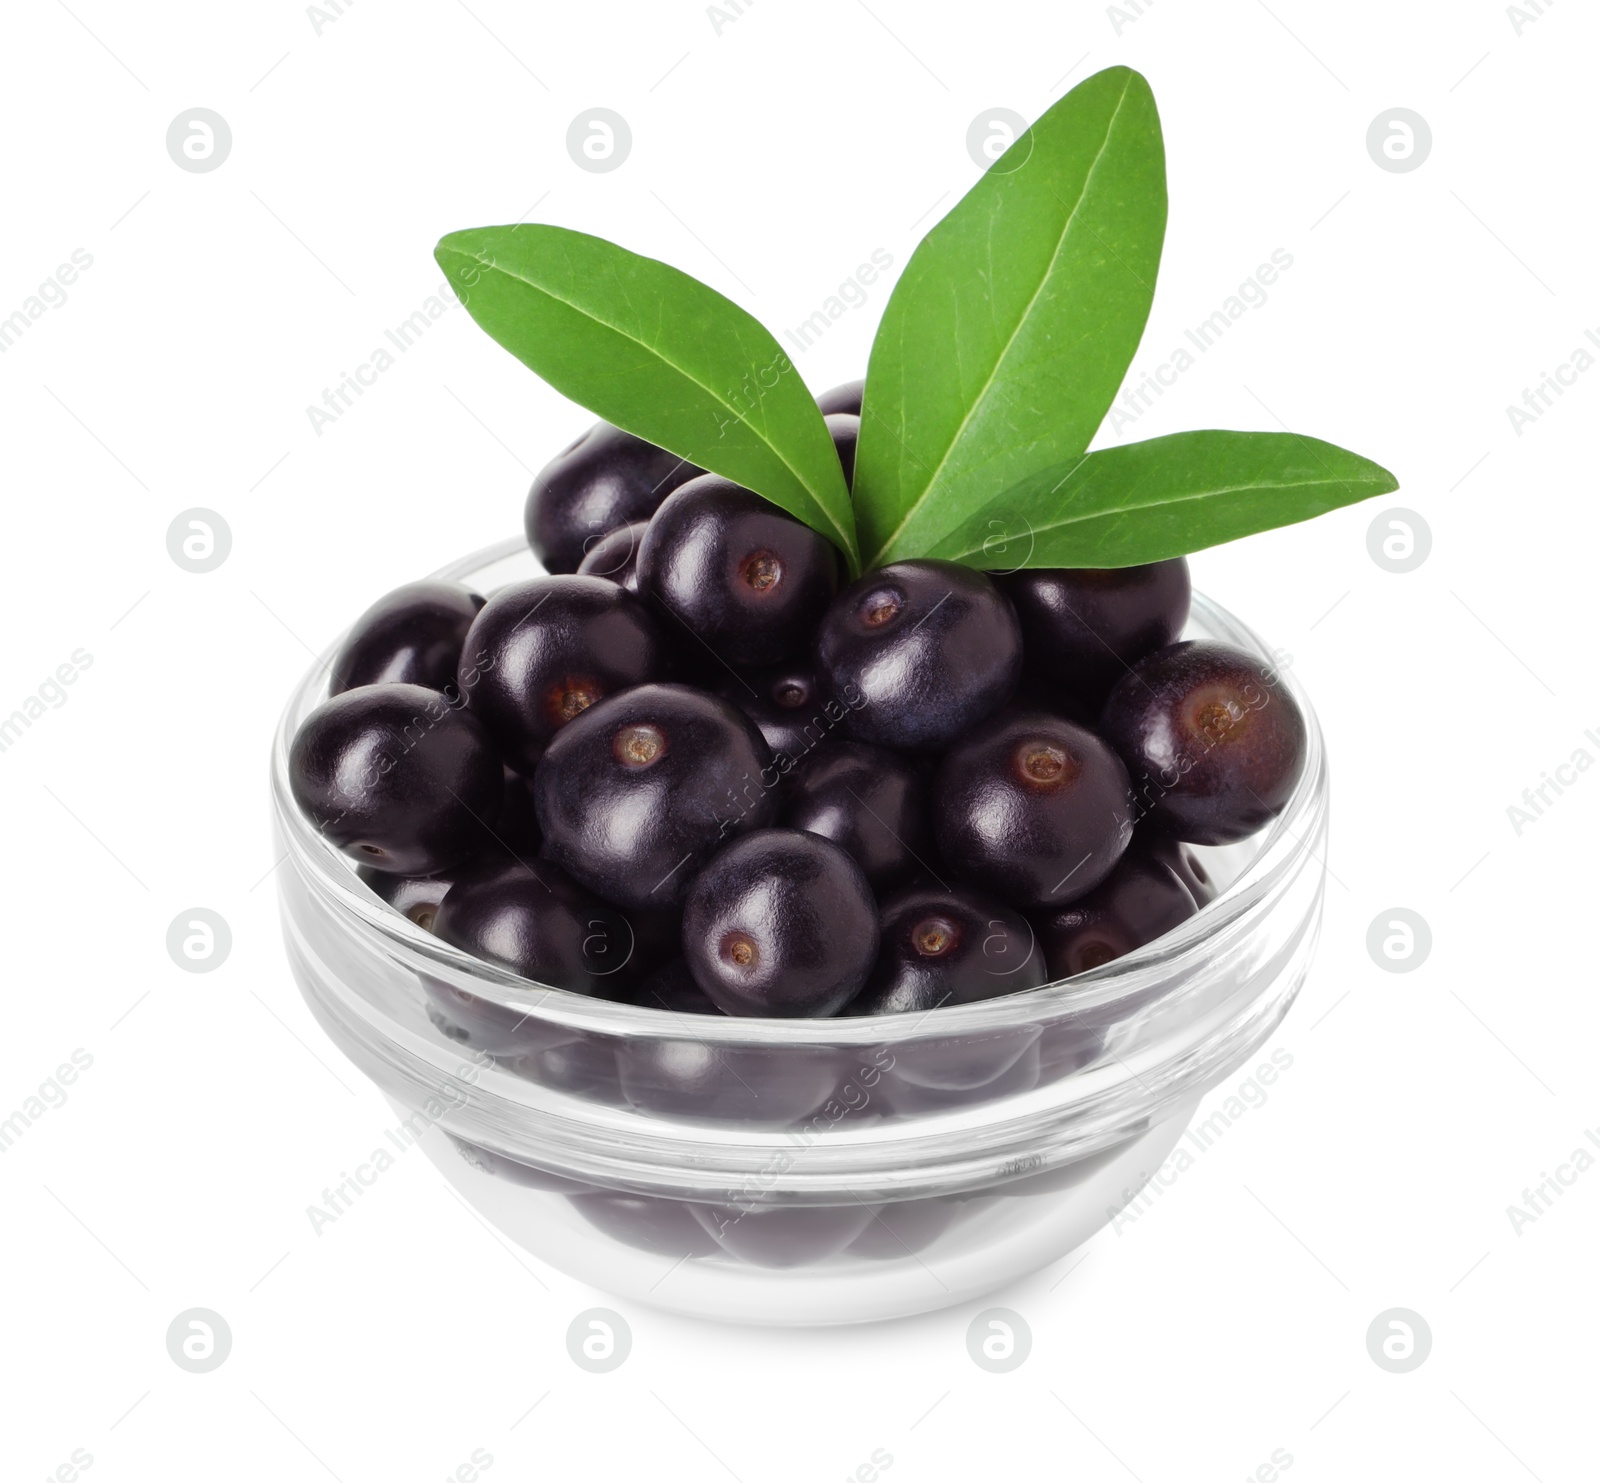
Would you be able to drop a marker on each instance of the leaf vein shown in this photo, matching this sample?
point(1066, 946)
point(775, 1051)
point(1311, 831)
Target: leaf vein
point(688, 376)
point(1016, 330)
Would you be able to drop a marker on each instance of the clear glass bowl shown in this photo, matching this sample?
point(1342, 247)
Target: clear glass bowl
point(802, 1171)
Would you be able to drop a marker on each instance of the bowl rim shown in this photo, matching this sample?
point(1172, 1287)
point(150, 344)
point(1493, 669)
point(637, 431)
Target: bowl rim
point(1284, 846)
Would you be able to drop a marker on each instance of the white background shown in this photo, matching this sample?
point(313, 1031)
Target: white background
point(1227, 1322)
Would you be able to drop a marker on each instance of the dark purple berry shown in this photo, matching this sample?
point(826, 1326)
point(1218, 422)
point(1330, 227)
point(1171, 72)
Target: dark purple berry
point(413, 636)
point(748, 580)
point(395, 777)
point(415, 897)
point(544, 651)
point(845, 430)
point(843, 398)
point(539, 924)
point(639, 792)
point(1033, 809)
point(948, 947)
point(1141, 900)
point(871, 802)
point(1214, 743)
point(920, 652)
point(615, 557)
point(780, 924)
point(603, 479)
point(788, 704)
point(1082, 630)
point(514, 835)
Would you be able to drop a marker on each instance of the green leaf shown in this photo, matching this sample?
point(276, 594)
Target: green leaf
point(659, 354)
point(1008, 335)
point(1166, 497)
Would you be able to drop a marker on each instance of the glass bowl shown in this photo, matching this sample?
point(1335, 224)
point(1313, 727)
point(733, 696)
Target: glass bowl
point(794, 1171)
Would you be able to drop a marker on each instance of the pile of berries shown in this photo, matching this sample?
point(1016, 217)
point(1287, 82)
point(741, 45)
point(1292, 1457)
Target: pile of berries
point(689, 769)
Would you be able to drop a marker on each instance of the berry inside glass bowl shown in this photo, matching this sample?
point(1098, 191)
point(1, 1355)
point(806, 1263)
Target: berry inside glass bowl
point(844, 849)
point(1003, 1078)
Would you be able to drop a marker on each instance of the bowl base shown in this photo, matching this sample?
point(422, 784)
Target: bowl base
point(897, 1262)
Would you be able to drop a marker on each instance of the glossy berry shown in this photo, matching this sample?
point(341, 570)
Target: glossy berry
point(845, 430)
point(870, 802)
point(943, 946)
point(615, 556)
point(1141, 900)
point(604, 479)
point(539, 924)
point(413, 636)
point(780, 924)
point(746, 579)
point(1082, 630)
point(920, 652)
point(787, 703)
point(1032, 808)
point(1214, 742)
point(396, 778)
point(415, 897)
point(844, 398)
point(639, 792)
point(512, 836)
point(544, 651)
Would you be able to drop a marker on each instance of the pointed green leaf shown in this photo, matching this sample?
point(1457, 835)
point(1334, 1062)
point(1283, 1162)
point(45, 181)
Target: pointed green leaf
point(661, 355)
point(1009, 333)
point(1166, 497)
